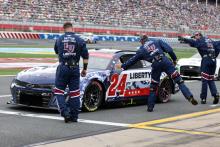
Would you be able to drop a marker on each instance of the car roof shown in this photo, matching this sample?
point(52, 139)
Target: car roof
point(110, 51)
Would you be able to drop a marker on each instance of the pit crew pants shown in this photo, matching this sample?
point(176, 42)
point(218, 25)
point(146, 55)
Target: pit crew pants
point(71, 77)
point(208, 67)
point(165, 65)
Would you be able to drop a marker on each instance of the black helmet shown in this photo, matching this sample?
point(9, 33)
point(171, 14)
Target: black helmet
point(196, 33)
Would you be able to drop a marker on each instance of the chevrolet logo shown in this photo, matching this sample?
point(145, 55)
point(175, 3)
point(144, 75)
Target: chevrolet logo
point(191, 67)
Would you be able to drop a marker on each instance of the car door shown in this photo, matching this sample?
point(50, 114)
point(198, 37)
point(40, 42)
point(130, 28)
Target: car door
point(131, 83)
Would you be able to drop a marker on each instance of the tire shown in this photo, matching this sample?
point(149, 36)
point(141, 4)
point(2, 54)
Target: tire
point(218, 78)
point(88, 41)
point(93, 97)
point(164, 91)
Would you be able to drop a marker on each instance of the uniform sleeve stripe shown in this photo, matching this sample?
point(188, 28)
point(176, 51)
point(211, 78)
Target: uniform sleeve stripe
point(58, 91)
point(74, 91)
point(75, 94)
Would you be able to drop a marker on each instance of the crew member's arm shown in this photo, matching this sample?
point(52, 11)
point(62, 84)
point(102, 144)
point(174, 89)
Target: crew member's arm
point(167, 48)
point(216, 45)
point(132, 60)
point(85, 56)
point(56, 47)
point(191, 42)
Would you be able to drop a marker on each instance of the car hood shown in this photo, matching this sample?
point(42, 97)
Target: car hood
point(189, 61)
point(41, 75)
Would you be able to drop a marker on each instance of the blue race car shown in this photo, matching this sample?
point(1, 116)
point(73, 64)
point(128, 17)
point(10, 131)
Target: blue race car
point(103, 83)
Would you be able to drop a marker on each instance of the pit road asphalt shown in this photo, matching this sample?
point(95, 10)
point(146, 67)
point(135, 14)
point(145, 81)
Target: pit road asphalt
point(20, 126)
point(114, 126)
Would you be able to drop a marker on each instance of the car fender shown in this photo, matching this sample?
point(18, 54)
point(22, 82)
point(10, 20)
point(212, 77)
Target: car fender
point(101, 77)
point(217, 71)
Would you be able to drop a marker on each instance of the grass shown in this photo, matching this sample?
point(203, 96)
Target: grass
point(185, 52)
point(181, 53)
point(25, 46)
point(9, 71)
point(21, 55)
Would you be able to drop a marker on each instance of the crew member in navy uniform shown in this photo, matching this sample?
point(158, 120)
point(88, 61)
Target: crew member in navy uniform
point(153, 51)
point(209, 51)
point(69, 48)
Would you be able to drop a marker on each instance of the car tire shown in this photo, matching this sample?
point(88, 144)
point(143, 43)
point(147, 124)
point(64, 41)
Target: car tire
point(218, 78)
point(93, 97)
point(164, 91)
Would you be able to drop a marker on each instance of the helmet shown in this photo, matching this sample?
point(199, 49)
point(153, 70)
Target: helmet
point(196, 33)
point(143, 39)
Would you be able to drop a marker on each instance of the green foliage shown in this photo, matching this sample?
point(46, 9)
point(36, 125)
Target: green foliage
point(9, 71)
point(21, 55)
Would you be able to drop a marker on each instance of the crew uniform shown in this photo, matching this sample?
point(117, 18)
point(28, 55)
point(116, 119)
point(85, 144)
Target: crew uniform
point(209, 51)
point(69, 48)
point(153, 51)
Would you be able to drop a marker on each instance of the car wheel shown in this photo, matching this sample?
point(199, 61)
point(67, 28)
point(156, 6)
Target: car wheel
point(218, 78)
point(164, 91)
point(93, 97)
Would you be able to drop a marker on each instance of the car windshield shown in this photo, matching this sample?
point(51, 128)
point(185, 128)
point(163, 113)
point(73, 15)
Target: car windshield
point(98, 60)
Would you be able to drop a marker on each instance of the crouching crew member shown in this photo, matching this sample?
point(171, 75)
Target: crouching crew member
point(153, 51)
point(208, 50)
point(69, 49)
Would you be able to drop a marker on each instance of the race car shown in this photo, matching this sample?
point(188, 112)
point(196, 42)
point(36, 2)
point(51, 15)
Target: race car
point(89, 38)
point(103, 84)
point(190, 67)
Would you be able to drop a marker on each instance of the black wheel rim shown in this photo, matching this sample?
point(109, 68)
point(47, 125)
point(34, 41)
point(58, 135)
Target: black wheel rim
point(93, 97)
point(165, 91)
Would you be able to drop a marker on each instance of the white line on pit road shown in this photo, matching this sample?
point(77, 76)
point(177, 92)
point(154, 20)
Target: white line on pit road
point(1, 96)
point(214, 105)
point(60, 118)
point(190, 81)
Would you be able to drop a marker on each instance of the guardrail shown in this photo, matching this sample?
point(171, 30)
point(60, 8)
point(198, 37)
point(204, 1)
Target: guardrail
point(53, 36)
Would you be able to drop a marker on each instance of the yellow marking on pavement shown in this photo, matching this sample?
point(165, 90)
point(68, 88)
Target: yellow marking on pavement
point(179, 131)
point(176, 118)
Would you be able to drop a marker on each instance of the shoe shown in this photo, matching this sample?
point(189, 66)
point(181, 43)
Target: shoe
point(74, 120)
point(150, 109)
point(67, 119)
point(192, 100)
point(216, 99)
point(203, 101)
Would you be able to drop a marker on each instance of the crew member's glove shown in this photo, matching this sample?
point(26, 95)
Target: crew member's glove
point(181, 39)
point(118, 66)
point(174, 62)
point(83, 73)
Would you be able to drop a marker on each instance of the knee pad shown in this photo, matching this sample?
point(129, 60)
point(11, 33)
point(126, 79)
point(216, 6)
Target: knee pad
point(206, 76)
